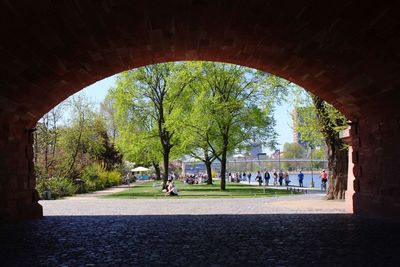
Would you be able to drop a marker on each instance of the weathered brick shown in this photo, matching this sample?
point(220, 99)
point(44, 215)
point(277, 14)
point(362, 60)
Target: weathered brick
point(346, 54)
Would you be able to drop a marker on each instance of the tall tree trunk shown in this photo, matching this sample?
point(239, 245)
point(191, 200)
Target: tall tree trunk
point(207, 161)
point(157, 169)
point(46, 160)
point(338, 164)
point(223, 168)
point(46, 149)
point(75, 155)
point(166, 163)
point(337, 152)
point(209, 173)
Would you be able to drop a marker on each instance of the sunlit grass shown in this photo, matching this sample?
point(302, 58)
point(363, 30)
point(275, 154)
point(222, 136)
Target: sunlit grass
point(152, 189)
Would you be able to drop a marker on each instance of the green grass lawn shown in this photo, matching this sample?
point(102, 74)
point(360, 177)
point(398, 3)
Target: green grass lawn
point(152, 189)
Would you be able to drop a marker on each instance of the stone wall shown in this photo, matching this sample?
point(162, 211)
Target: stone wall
point(345, 53)
point(376, 154)
point(18, 198)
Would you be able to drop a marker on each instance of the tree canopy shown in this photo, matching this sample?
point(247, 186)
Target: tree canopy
point(319, 122)
point(204, 109)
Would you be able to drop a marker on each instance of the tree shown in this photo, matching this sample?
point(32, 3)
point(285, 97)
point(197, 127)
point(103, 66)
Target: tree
point(46, 140)
point(150, 98)
point(107, 111)
point(73, 137)
point(292, 151)
point(322, 121)
point(197, 134)
point(71, 142)
point(99, 146)
point(237, 109)
point(331, 122)
point(86, 140)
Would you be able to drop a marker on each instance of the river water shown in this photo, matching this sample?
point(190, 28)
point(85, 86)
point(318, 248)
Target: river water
point(294, 179)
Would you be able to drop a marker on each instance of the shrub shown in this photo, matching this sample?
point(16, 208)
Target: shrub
point(95, 177)
point(114, 178)
point(58, 187)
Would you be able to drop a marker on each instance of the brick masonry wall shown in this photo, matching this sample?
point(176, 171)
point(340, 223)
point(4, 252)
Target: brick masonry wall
point(345, 52)
point(376, 166)
point(18, 198)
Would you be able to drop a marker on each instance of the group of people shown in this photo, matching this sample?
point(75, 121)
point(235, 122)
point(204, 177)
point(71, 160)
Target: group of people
point(236, 177)
point(195, 178)
point(261, 178)
point(279, 178)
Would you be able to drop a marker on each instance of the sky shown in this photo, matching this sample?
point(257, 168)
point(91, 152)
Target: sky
point(97, 92)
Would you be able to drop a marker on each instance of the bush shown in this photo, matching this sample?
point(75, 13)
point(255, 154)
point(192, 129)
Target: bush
point(114, 178)
point(90, 177)
point(58, 187)
point(95, 177)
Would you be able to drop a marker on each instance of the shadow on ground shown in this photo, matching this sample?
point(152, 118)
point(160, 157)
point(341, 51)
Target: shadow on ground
point(202, 240)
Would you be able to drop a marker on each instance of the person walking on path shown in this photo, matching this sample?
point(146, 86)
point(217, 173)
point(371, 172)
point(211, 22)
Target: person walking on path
point(324, 179)
point(301, 177)
point(249, 177)
point(266, 177)
point(286, 176)
point(275, 178)
point(259, 178)
point(280, 177)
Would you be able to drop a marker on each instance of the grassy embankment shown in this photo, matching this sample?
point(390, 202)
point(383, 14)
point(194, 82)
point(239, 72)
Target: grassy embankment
point(151, 189)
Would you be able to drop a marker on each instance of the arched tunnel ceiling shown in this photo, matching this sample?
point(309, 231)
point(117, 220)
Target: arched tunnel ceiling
point(344, 51)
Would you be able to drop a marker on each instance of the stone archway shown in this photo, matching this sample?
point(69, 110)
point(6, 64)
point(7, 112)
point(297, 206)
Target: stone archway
point(344, 52)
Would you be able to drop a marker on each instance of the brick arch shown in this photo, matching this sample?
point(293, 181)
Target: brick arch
point(343, 52)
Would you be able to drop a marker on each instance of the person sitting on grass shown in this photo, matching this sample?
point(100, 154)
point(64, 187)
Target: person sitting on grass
point(165, 188)
point(171, 189)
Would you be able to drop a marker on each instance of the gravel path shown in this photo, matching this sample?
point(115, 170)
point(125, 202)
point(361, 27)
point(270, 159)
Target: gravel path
point(95, 204)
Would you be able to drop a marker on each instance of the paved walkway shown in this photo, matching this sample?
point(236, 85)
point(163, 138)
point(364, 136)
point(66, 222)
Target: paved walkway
point(95, 204)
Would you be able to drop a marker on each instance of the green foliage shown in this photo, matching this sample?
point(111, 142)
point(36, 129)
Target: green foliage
point(70, 152)
point(321, 121)
point(293, 151)
point(228, 101)
point(310, 127)
point(95, 177)
point(161, 112)
point(148, 101)
point(59, 187)
point(200, 108)
point(236, 110)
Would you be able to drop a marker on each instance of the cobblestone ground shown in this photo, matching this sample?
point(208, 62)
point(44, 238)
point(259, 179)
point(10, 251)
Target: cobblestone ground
point(202, 240)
